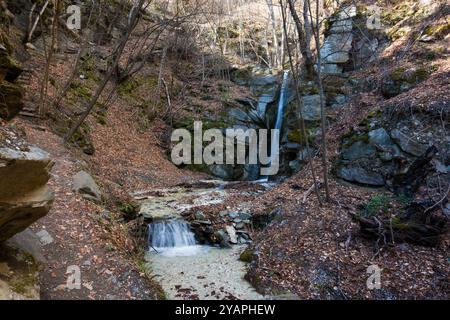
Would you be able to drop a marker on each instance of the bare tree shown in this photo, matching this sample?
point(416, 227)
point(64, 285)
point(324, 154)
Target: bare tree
point(295, 76)
point(305, 47)
point(49, 55)
point(132, 22)
point(316, 32)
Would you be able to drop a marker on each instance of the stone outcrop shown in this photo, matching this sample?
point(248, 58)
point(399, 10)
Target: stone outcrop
point(24, 194)
point(10, 93)
point(335, 51)
point(20, 257)
point(85, 185)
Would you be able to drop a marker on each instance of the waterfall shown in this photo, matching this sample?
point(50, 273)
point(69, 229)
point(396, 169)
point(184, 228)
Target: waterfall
point(170, 234)
point(281, 102)
point(279, 123)
point(172, 238)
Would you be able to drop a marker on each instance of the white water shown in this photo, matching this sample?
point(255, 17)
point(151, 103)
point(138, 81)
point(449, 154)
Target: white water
point(173, 238)
point(274, 150)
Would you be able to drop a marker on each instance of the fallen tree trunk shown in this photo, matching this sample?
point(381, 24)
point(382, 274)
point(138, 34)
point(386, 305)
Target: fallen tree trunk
point(416, 223)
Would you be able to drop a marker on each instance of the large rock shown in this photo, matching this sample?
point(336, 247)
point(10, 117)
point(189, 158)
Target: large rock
point(10, 100)
point(231, 234)
point(85, 185)
point(336, 48)
point(408, 143)
point(24, 195)
point(311, 107)
point(358, 150)
point(360, 175)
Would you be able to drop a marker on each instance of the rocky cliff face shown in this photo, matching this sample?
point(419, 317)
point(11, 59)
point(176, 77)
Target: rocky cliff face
point(24, 194)
point(10, 92)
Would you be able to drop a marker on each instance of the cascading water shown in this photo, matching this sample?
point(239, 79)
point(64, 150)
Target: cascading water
point(281, 102)
point(279, 123)
point(172, 238)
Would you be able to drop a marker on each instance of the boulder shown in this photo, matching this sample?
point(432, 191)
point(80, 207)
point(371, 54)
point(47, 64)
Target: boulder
point(231, 234)
point(24, 195)
point(223, 238)
point(10, 100)
point(358, 150)
point(408, 144)
point(360, 175)
point(85, 185)
point(19, 267)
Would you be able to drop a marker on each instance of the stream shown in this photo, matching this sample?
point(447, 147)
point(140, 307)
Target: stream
point(184, 268)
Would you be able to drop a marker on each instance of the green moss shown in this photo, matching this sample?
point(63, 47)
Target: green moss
point(438, 31)
point(128, 87)
point(9, 67)
point(246, 256)
point(298, 137)
point(79, 90)
point(81, 138)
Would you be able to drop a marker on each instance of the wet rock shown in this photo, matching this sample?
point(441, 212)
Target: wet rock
point(360, 175)
point(244, 215)
point(199, 215)
point(24, 195)
point(233, 215)
point(222, 238)
point(85, 185)
point(295, 165)
point(380, 137)
point(408, 144)
point(251, 172)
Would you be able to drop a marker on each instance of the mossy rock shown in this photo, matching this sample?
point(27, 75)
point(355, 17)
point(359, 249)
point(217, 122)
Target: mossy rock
point(246, 256)
point(297, 136)
point(439, 31)
point(82, 139)
point(10, 100)
point(10, 67)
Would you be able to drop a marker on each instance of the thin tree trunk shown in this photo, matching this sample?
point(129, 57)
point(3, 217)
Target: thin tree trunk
point(33, 28)
point(316, 33)
point(304, 46)
point(300, 106)
point(110, 72)
point(66, 88)
point(49, 57)
point(275, 60)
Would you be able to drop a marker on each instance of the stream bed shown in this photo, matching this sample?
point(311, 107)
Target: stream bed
point(205, 273)
point(185, 269)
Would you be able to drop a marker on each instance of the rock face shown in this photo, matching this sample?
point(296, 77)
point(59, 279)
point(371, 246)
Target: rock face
point(10, 93)
point(85, 185)
point(24, 195)
point(336, 49)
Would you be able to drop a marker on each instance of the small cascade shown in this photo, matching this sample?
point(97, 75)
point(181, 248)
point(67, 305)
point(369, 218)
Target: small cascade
point(172, 237)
